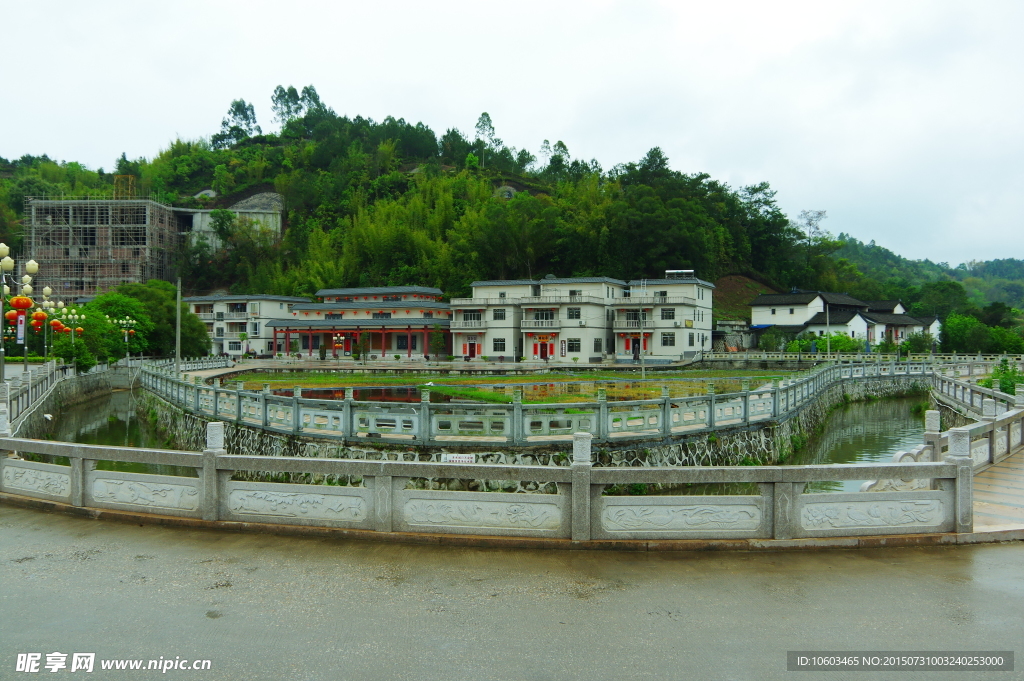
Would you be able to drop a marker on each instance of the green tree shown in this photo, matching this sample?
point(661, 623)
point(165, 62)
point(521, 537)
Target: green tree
point(158, 299)
point(472, 162)
point(238, 125)
point(116, 306)
point(438, 343)
point(964, 333)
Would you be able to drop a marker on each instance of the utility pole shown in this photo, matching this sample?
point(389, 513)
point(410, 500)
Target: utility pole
point(177, 333)
point(828, 332)
point(640, 317)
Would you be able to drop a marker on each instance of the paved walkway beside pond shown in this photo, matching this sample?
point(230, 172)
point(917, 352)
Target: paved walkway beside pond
point(999, 496)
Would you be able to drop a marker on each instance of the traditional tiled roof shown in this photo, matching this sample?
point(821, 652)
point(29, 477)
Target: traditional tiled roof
point(378, 291)
point(372, 305)
point(834, 318)
point(892, 319)
point(783, 299)
point(883, 305)
point(805, 297)
point(303, 322)
point(227, 298)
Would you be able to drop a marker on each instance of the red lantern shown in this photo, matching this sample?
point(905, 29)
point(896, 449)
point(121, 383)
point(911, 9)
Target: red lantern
point(39, 315)
point(66, 329)
point(131, 332)
point(79, 331)
point(36, 324)
point(56, 324)
point(21, 302)
point(11, 316)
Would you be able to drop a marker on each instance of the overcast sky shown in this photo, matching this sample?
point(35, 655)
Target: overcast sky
point(901, 119)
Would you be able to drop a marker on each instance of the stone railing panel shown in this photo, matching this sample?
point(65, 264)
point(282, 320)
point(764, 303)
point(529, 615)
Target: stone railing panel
point(843, 515)
point(324, 505)
point(34, 479)
point(491, 513)
point(162, 494)
point(682, 517)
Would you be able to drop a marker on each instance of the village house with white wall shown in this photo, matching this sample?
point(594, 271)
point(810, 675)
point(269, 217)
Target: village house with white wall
point(820, 313)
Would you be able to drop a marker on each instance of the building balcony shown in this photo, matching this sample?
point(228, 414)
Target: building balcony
point(654, 300)
point(660, 324)
point(210, 316)
point(534, 301)
point(468, 324)
point(547, 323)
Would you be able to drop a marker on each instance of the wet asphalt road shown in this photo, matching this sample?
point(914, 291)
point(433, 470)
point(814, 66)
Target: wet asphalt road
point(265, 607)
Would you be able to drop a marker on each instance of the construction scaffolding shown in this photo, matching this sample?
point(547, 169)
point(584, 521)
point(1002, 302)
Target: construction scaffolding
point(88, 245)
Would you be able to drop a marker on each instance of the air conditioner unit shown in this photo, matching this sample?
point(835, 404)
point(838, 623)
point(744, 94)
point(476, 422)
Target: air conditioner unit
point(582, 323)
point(677, 324)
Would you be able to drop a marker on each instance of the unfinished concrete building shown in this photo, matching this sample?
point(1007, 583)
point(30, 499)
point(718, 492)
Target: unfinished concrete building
point(88, 245)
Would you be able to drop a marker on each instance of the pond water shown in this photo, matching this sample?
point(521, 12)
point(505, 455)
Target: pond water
point(859, 432)
point(863, 432)
point(111, 420)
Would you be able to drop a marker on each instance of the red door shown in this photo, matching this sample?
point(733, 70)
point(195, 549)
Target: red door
point(543, 350)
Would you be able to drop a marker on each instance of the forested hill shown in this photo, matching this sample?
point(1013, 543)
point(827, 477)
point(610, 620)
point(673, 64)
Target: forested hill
point(391, 203)
point(888, 275)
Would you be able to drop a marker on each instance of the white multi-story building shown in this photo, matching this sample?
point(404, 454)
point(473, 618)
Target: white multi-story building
point(584, 319)
point(666, 320)
point(241, 323)
point(547, 320)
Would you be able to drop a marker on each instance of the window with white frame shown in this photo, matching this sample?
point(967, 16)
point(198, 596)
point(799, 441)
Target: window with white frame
point(691, 340)
point(573, 313)
point(574, 345)
point(499, 314)
point(597, 345)
point(668, 313)
point(498, 345)
point(234, 345)
point(668, 339)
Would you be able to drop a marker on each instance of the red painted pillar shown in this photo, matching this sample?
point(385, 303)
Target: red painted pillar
point(408, 342)
point(275, 342)
point(310, 341)
point(287, 341)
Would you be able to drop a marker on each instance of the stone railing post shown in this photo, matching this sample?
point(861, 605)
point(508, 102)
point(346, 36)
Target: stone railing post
point(518, 431)
point(775, 398)
point(711, 404)
point(214, 448)
point(602, 414)
point(580, 490)
point(932, 430)
point(784, 503)
point(666, 412)
point(239, 387)
point(195, 394)
point(963, 496)
point(745, 387)
point(988, 408)
point(263, 405)
point(5, 421)
point(425, 426)
point(1018, 397)
point(296, 417)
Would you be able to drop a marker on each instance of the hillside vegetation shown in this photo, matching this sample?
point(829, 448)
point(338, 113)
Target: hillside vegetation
point(393, 203)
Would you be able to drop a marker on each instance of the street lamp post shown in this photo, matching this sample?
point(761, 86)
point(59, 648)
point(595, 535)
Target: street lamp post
point(338, 338)
point(21, 303)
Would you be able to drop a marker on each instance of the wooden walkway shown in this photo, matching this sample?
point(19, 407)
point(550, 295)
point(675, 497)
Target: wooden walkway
point(999, 496)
